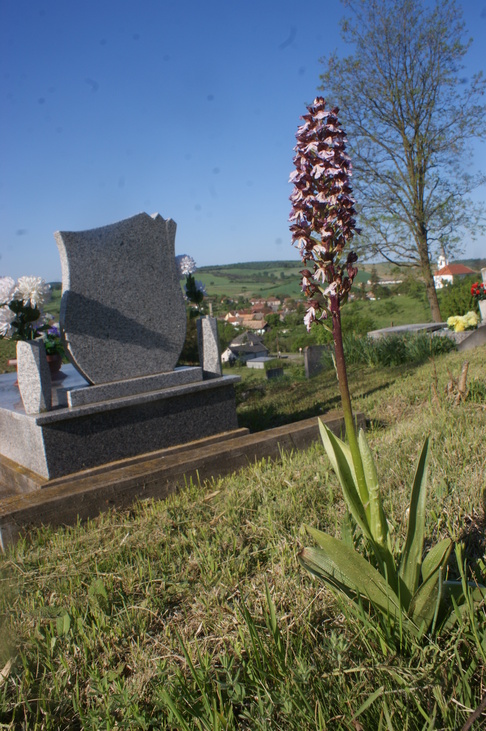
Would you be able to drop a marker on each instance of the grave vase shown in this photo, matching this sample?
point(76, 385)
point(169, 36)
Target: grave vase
point(482, 310)
point(33, 376)
point(54, 362)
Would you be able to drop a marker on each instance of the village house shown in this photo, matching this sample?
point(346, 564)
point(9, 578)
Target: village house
point(244, 347)
point(446, 273)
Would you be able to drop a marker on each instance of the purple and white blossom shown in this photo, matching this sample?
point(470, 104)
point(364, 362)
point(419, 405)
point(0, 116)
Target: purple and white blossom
point(323, 215)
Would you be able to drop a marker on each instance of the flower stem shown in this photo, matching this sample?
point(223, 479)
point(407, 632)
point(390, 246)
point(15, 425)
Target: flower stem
point(342, 376)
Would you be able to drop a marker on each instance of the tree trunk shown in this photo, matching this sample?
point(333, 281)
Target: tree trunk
point(431, 294)
point(426, 271)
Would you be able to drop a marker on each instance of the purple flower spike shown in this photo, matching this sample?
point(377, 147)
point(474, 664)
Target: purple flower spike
point(323, 215)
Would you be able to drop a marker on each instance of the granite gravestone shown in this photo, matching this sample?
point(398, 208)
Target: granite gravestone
point(123, 321)
point(313, 355)
point(122, 310)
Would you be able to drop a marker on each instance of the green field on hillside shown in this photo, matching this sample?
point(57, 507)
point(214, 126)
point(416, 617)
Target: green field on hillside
point(266, 278)
point(263, 278)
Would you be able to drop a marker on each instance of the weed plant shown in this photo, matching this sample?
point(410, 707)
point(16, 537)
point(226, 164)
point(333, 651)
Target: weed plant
point(193, 613)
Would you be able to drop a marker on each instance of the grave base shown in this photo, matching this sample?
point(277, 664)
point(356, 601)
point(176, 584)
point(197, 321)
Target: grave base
point(67, 440)
point(117, 485)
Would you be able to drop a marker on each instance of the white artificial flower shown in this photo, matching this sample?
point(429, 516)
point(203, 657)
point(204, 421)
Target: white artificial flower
point(33, 291)
point(7, 289)
point(6, 319)
point(186, 265)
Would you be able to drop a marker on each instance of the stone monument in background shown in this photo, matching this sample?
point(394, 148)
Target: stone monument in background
point(313, 360)
point(123, 323)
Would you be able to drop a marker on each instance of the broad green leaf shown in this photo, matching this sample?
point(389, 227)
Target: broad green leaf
point(477, 592)
point(426, 600)
point(342, 566)
point(411, 560)
point(434, 558)
point(347, 529)
point(341, 462)
point(378, 524)
point(324, 431)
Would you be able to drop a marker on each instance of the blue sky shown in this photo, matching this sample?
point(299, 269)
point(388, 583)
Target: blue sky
point(181, 107)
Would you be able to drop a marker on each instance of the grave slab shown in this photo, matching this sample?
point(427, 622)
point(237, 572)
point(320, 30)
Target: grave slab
point(65, 440)
point(313, 355)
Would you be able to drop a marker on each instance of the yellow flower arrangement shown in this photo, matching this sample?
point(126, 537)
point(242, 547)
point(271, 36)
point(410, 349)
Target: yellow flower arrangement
point(459, 323)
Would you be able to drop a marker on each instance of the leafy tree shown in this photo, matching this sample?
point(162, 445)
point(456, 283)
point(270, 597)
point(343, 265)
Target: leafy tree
point(410, 116)
point(273, 319)
point(226, 333)
point(374, 278)
point(456, 299)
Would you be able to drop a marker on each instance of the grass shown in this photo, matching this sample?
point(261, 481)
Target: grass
point(193, 613)
point(392, 311)
point(265, 404)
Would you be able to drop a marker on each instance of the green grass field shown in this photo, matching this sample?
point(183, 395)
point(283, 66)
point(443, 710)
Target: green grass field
point(263, 279)
point(393, 311)
point(194, 614)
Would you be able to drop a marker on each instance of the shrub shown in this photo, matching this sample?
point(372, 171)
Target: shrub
point(456, 299)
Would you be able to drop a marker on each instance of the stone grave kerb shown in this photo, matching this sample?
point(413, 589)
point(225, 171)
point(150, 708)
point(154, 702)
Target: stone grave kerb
point(122, 313)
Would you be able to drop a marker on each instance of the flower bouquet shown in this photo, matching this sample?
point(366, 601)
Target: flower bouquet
point(22, 317)
point(478, 291)
point(194, 290)
point(21, 303)
point(459, 323)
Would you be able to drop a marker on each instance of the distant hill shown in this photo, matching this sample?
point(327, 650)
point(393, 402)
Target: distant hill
point(282, 277)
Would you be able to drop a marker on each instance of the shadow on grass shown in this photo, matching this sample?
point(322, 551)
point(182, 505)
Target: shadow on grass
point(265, 415)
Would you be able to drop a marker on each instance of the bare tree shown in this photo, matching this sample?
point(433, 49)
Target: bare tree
point(410, 116)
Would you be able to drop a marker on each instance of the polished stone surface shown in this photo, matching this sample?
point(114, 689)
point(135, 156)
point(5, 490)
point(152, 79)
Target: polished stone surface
point(69, 378)
point(66, 440)
point(34, 377)
point(133, 386)
point(208, 346)
point(122, 310)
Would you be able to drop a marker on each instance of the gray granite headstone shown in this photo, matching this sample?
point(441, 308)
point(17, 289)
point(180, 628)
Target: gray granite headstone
point(33, 375)
point(122, 310)
point(208, 346)
point(313, 360)
point(273, 373)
